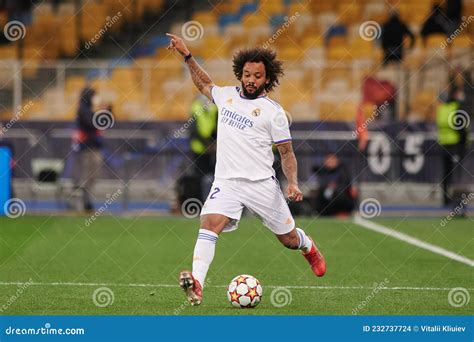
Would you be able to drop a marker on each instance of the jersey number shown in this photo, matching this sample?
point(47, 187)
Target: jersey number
point(216, 190)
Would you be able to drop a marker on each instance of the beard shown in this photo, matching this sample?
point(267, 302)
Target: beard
point(255, 94)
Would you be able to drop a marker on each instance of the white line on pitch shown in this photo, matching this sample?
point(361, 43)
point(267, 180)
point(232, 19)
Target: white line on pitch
point(310, 287)
point(411, 240)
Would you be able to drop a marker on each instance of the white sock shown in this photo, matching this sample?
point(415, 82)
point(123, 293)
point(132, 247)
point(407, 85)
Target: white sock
point(203, 254)
point(305, 242)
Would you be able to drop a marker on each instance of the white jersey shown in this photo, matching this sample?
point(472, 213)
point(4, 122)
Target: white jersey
point(246, 131)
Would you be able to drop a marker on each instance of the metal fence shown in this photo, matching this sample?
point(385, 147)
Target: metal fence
point(395, 153)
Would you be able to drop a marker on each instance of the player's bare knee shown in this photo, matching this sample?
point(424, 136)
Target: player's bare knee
point(214, 223)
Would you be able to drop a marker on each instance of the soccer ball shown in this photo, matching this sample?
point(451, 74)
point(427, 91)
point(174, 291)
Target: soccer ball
point(244, 291)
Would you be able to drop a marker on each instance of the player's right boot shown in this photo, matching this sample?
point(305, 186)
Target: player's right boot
point(191, 287)
point(316, 260)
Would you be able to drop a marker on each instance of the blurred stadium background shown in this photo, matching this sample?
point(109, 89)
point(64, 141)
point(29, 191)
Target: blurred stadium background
point(379, 118)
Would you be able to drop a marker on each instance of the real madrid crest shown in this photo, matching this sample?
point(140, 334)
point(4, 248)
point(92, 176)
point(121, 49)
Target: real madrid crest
point(256, 112)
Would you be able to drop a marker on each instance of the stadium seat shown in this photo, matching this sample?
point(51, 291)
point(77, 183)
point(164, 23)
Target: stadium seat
point(214, 46)
point(205, 18)
point(318, 7)
point(9, 51)
point(435, 41)
point(344, 110)
point(270, 8)
point(255, 20)
point(290, 53)
point(362, 49)
point(338, 53)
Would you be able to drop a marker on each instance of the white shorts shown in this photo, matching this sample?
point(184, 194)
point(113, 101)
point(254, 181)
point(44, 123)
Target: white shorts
point(263, 198)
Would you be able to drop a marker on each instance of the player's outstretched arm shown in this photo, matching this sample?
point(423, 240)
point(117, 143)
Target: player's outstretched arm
point(200, 77)
point(290, 169)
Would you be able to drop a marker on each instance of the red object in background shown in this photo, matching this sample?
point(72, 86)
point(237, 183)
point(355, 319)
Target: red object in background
point(377, 91)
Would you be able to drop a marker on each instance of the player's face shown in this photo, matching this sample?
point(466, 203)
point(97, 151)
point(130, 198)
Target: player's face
point(253, 79)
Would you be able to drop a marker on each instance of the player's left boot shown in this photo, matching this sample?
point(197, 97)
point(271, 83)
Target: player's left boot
point(191, 287)
point(316, 260)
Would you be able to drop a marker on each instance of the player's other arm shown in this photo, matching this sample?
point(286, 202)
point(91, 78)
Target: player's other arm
point(200, 77)
point(290, 169)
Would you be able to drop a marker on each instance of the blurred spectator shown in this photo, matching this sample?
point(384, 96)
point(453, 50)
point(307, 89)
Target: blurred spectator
point(435, 23)
point(393, 33)
point(203, 133)
point(87, 141)
point(18, 10)
point(335, 194)
point(451, 121)
point(453, 15)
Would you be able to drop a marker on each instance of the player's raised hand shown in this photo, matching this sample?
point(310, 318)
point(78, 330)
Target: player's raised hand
point(294, 193)
point(177, 44)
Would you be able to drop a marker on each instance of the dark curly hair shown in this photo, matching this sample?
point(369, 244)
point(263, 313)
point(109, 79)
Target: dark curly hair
point(273, 67)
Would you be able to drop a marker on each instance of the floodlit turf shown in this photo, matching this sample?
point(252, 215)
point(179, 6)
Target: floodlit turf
point(122, 251)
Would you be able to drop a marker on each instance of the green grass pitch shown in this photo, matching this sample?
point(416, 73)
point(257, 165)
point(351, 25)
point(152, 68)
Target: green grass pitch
point(138, 259)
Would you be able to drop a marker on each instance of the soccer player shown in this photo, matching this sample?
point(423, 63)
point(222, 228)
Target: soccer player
point(249, 123)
